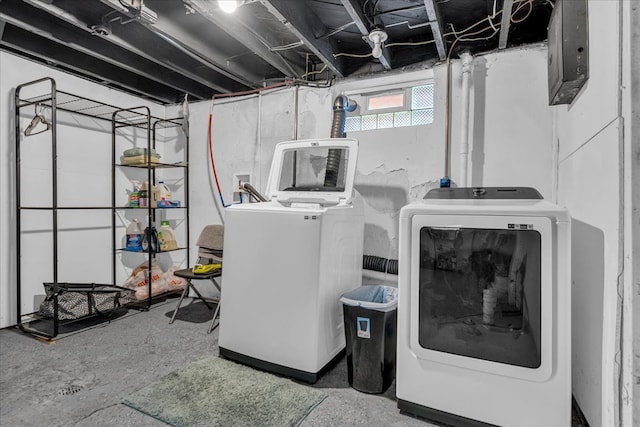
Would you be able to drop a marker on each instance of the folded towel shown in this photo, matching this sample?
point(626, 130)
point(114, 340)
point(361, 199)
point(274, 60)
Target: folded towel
point(212, 237)
point(139, 160)
point(138, 151)
point(214, 256)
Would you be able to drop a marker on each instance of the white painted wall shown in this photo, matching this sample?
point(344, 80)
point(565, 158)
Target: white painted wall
point(631, 308)
point(591, 183)
point(84, 149)
point(512, 143)
point(510, 137)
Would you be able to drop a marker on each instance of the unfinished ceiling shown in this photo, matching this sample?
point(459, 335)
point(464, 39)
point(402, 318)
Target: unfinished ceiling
point(162, 49)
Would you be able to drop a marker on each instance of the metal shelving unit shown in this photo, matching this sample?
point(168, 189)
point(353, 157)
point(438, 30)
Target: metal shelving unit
point(122, 119)
point(55, 100)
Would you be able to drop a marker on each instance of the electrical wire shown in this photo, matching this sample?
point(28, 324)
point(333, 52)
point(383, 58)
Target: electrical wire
point(460, 36)
point(518, 9)
point(353, 55)
point(314, 72)
point(410, 43)
point(286, 46)
point(210, 127)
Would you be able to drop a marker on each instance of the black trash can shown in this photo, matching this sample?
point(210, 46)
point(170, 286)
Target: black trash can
point(370, 317)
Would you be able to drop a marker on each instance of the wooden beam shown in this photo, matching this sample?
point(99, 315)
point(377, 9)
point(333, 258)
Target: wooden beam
point(505, 23)
point(193, 47)
point(433, 14)
point(243, 34)
point(50, 52)
point(149, 51)
point(302, 22)
point(355, 12)
point(24, 17)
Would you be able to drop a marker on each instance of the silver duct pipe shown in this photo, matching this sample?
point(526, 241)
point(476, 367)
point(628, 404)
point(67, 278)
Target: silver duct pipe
point(341, 105)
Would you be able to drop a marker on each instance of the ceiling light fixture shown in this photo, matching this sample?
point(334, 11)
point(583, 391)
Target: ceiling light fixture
point(378, 37)
point(228, 6)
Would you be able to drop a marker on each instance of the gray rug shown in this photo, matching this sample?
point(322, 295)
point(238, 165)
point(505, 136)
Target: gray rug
point(217, 392)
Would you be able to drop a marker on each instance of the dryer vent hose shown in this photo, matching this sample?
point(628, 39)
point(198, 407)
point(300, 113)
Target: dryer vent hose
point(383, 265)
point(341, 105)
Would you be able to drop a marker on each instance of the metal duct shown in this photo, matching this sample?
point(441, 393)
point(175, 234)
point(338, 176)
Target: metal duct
point(341, 105)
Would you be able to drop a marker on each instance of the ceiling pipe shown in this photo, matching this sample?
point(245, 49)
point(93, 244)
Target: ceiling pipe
point(467, 62)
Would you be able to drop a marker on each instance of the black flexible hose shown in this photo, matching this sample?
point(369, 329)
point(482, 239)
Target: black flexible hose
point(341, 105)
point(384, 265)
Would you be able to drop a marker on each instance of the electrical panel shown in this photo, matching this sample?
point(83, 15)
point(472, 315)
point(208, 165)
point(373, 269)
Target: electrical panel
point(568, 36)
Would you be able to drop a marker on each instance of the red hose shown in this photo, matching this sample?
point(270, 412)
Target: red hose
point(210, 128)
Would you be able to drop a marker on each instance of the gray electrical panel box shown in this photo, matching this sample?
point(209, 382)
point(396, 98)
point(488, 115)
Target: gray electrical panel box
point(568, 36)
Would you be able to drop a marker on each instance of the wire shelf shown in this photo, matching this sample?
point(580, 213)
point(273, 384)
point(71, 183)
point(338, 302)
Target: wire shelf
point(69, 102)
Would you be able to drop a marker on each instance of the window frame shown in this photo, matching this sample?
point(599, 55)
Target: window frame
point(362, 97)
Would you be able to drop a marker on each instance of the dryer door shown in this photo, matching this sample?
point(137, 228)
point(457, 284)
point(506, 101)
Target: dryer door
point(481, 291)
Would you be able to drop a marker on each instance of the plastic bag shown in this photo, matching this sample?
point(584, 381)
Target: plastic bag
point(173, 282)
point(374, 297)
point(139, 280)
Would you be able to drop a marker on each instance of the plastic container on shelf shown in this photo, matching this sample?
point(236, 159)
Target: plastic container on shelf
point(143, 199)
point(163, 191)
point(134, 197)
point(166, 237)
point(134, 236)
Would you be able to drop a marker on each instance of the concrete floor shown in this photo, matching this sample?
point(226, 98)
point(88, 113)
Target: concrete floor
point(81, 379)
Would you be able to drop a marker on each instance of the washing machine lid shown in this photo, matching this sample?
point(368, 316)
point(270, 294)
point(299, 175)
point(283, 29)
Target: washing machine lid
point(313, 171)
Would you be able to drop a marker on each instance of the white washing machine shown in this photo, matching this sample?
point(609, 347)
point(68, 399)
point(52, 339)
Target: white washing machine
point(484, 309)
point(287, 262)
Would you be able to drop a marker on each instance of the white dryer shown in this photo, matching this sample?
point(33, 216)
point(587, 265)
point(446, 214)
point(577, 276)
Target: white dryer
point(287, 261)
point(484, 309)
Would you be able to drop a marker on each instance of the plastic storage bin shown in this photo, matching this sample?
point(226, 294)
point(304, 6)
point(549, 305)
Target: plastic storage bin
point(370, 317)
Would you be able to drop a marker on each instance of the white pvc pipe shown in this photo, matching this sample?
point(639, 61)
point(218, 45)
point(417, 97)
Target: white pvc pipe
point(467, 61)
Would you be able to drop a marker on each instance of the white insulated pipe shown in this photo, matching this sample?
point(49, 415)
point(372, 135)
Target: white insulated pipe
point(467, 62)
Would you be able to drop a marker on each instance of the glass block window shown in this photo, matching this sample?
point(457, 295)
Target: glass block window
point(421, 97)
point(352, 124)
point(401, 119)
point(421, 117)
point(381, 111)
point(385, 120)
point(370, 122)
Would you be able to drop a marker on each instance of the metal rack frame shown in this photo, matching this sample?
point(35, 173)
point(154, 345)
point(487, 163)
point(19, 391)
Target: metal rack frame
point(57, 100)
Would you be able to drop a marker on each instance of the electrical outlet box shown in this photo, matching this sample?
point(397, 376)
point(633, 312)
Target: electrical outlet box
point(568, 36)
point(238, 178)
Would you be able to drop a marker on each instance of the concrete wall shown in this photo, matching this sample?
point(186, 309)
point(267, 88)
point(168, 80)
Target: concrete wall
point(592, 182)
point(510, 139)
point(84, 179)
point(631, 276)
point(573, 155)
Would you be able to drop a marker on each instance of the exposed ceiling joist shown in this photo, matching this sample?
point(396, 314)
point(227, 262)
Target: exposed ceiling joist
point(505, 23)
point(436, 27)
point(93, 68)
point(96, 47)
point(150, 52)
point(354, 10)
point(304, 23)
point(249, 39)
point(162, 49)
point(204, 53)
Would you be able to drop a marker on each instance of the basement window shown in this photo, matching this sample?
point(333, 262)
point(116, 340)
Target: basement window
point(412, 106)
